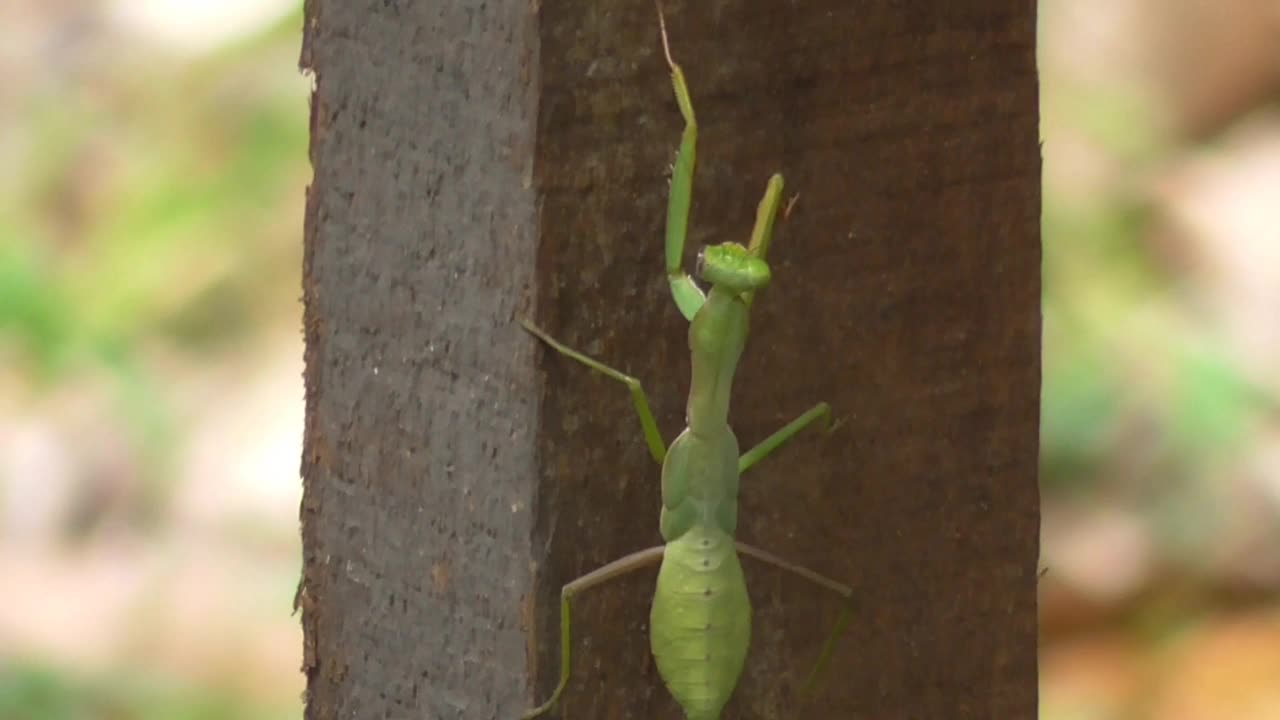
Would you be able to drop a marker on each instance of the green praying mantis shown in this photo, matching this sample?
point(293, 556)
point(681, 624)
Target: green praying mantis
point(700, 622)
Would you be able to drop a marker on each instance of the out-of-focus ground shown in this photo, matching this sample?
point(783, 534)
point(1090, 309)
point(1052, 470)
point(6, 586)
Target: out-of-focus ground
point(150, 371)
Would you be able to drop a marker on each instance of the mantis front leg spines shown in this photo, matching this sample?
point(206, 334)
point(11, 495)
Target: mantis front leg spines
point(700, 621)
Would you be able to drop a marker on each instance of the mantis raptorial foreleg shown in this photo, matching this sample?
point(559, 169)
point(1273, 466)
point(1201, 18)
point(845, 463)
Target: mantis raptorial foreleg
point(621, 566)
point(762, 231)
point(652, 435)
point(842, 590)
point(688, 296)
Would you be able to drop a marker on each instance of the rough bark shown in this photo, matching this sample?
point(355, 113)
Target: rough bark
point(479, 161)
point(419, 454)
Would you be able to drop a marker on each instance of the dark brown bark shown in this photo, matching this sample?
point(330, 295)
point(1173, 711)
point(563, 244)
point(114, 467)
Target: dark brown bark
point(479, 161)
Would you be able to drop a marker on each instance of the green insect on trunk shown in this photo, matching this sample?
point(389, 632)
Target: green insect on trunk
point(700, 621)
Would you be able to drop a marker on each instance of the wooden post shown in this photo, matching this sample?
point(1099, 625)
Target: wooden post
point(476, 162)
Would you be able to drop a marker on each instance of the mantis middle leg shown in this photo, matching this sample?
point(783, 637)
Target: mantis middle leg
point(652, 435)
point(618, 567)
point(785, 433)
point(843, 590)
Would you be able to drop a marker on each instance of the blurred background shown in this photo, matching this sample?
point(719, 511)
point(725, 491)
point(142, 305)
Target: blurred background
point(155, 166)
point(150, 359)
point(1161, 401)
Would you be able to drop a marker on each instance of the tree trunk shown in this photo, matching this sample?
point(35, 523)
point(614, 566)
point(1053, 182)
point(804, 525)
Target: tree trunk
point(479, 162)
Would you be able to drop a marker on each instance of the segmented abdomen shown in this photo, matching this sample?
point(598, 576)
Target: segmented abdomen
point(700, 624)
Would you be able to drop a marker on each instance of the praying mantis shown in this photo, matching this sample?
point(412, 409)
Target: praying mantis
point(700, 621)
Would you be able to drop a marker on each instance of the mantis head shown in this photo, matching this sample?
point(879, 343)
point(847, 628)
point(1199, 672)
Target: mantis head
point(734, 267)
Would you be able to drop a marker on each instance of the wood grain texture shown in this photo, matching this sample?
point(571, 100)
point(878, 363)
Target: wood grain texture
point(420, 397)
point(480, 160)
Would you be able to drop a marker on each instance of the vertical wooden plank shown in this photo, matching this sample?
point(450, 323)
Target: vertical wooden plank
point(418, 451)
point(906, 293)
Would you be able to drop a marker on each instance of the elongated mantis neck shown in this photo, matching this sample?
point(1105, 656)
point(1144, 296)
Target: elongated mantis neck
point(717, 337)
point(718, 330)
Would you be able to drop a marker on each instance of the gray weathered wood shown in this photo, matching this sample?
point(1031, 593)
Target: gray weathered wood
point(480, 160)
point(420, 396)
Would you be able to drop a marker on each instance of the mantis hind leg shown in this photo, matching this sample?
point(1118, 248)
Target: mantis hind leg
point(844, 591)
point(784, 434)
point(618, 567)
point(652, 436)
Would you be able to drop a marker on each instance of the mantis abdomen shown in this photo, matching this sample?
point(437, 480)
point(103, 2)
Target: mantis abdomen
point(700, 624)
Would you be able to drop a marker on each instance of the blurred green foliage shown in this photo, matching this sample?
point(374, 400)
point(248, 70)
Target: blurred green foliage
point(150, 225)
point(36, 693)
point(150, 211)
point(155, 216)
point(1144, 406)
